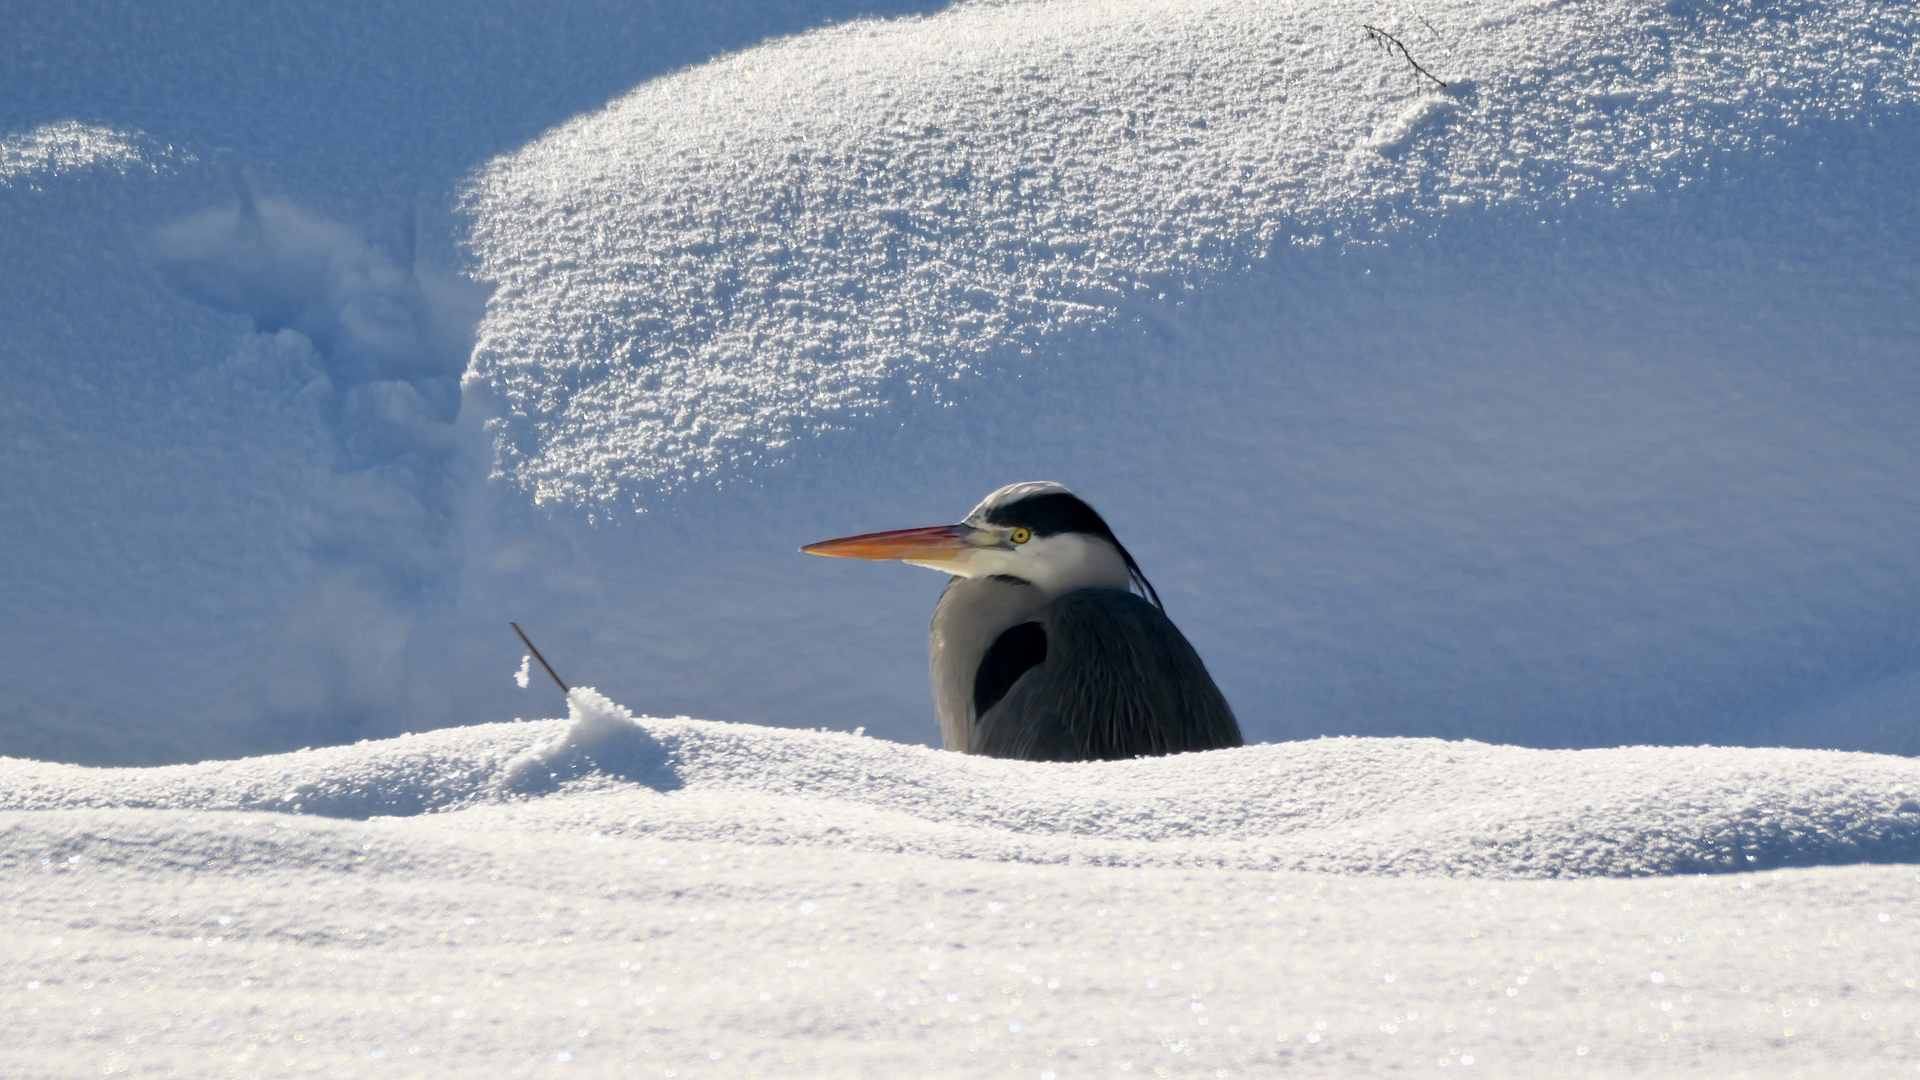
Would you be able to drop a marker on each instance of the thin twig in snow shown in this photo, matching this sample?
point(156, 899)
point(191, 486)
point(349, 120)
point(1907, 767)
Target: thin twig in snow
point(536, 655)
point(1392, 44)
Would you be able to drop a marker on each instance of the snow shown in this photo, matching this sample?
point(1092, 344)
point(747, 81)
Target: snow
point(715, 262)
point(1333, 806)
point(1482, 412)
point(681, 896)
point(1568, 406)
point(1533, 461)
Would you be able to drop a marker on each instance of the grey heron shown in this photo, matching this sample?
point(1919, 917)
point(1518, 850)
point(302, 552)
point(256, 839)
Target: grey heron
point(1040, 648)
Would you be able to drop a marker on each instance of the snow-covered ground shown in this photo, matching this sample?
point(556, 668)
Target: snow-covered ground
point(1573, 404)
point(602, 896)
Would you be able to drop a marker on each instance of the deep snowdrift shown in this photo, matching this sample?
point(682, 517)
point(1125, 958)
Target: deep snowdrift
point(1570, 406)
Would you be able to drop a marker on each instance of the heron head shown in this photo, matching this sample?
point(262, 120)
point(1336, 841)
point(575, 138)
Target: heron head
point(1038, 532)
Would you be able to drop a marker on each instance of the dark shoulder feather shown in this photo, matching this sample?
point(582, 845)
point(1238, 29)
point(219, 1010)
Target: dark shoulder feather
point(1017, 649)
point(1119, 680)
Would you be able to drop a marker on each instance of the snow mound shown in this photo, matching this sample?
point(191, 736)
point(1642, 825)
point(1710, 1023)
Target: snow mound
point(739, 254)
point(1361, 806)
point(601, 737)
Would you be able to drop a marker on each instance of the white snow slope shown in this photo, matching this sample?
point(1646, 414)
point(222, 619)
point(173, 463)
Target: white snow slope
point(604, 896)
point(1571, 405)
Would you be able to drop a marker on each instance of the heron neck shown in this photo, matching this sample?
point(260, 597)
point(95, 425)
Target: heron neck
point(972, 613)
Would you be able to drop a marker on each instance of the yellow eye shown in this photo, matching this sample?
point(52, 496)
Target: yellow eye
point(1021, 535)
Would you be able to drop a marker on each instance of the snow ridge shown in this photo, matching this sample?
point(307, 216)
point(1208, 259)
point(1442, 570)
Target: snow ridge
point(1360, 806)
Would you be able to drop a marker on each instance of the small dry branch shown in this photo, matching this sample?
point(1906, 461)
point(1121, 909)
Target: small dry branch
point(1393, 45)
point(536, 655)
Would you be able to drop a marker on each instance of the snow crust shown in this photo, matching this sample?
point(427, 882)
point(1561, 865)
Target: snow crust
point(619, 896)
point(729, 256)
point(208, 944)
point(1349, 806)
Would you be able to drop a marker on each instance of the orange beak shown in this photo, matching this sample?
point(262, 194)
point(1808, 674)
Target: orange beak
point(938, 543)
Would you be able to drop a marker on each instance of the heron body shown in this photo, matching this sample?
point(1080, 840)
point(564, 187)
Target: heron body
point(1040, 649)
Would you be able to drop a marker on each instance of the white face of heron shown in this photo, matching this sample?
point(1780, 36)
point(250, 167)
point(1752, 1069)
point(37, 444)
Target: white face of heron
point(1054, 564)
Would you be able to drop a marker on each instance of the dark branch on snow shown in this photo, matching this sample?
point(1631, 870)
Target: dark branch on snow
point(1392, 45)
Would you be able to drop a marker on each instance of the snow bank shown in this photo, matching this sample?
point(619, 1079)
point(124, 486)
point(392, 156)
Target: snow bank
point(1552, 408)
point(614, 896)
point(1356, 806)
point(220, 544)
point(473, 944)
point(1570, 406)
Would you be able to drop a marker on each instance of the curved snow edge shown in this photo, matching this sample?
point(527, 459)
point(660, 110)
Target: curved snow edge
point(1351, 805)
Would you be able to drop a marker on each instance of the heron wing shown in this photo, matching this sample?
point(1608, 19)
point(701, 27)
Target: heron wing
point(1025, 723)
point(1119, 680)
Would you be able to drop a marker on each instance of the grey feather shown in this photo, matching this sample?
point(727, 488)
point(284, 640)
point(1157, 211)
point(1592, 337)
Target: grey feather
point(1119, 681)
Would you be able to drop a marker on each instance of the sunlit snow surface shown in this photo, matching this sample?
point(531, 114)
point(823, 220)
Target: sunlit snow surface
point(672, 897)
point(739, 252)
point(1371, 806)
